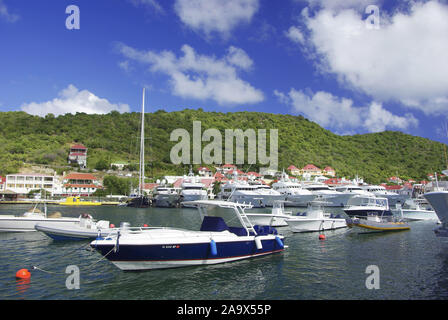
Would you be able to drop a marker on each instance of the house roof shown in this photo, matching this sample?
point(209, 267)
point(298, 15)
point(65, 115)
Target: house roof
point(204, 168)
point(292, 167)
point(80, 176)
point(252, 173)
point(72, 185)
point(229, 166)
point(149, 186)
point(78, 146)
point(237, 171)
point(328, 169)
point(310, 167)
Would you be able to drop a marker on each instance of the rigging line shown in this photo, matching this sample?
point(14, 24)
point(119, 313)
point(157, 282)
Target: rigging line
point(81, 269)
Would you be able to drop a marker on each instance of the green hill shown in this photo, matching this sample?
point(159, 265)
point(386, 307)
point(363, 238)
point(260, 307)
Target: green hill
point(115, 137)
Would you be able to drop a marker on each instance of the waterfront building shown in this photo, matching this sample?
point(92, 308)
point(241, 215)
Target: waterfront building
point(23, 183)
point(80, 184)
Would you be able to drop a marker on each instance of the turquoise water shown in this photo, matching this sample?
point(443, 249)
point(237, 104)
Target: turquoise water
point(412, 264)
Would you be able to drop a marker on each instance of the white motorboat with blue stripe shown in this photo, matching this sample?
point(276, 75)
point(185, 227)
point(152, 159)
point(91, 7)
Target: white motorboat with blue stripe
point(226, 234)
point(85, 228)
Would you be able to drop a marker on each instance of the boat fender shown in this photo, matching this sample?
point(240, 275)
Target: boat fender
point(117, 244)
point(279, 241)
point(258, 243)
point(213, 248)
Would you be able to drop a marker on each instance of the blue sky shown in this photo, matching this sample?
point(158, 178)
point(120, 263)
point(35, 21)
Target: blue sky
point(313, 58)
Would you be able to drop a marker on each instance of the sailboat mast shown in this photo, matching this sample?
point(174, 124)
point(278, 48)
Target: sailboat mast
point(142, 149)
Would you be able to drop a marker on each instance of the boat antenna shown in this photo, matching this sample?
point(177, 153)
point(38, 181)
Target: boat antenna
point(142, 150)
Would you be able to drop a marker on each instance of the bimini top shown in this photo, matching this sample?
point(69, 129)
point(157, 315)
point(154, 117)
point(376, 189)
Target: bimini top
point(228, 216)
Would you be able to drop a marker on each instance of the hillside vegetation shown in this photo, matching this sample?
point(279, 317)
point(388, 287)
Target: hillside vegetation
point(115, 137)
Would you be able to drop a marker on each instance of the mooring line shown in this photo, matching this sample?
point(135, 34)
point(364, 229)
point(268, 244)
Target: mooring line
point(86, 268)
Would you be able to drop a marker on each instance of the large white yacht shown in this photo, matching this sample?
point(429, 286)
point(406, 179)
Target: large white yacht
point(192, 189)
point(381, 191)
point(330, 196)
point(241, 192)
point(347, 192)
point(268, 194)
point(439, 202)
point(296, 194)
point(166, 197)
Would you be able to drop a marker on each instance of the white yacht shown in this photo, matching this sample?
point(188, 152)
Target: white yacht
point(439, 201)
point(241, 192)
point(315, 219)
point(277, 217)
point(27, 221)
point(363, 206)
point(414, 210)
point(348, 192)
point(166, 197)
point(296, 195)
point(268, 194)
point(381, 191)
point(192, 189)
point(330, 196)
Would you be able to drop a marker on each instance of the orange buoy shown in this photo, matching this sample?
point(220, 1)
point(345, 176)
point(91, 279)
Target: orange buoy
point(23, 274)
point(321, 237)
point(112, 225)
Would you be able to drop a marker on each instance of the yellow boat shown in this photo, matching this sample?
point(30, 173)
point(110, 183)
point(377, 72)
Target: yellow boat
point(76, 201)
point(375, 223)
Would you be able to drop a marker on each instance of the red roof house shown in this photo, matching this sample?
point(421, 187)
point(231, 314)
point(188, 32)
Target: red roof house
point(311, 169)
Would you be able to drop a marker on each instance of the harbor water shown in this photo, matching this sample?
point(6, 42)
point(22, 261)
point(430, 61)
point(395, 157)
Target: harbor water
point(412, 265)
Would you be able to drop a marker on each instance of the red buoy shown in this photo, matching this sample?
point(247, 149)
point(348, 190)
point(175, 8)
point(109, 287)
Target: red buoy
point(145, 225)
point(321, 237)
point(112, 225)
point(23, 274)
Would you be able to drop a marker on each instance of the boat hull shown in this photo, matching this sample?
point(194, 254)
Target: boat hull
point(299, 200)
point(367, 212)
point(24, 224)
point(191, 197)
point(416, 215)
point(166, 201)
point(267, 220)
point(161, 256)
point(439, 202)
point(311, 225)
point(71, 232)
point(139, 202)
point(374, 226)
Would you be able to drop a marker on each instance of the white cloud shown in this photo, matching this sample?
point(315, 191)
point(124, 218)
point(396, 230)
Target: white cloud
point(5, 14)
point(219, 16)
point(202, 77)
point(341, 115)
point(153, 4)
point(341, 4)
point(405, 60)
point(295, 35)
point(71, 100)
